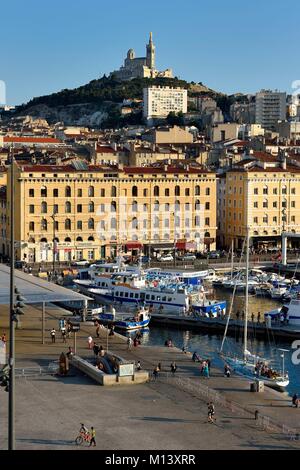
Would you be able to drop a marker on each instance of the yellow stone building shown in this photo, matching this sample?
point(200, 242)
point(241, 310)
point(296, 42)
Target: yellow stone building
point(261, 195)
point(93, 211)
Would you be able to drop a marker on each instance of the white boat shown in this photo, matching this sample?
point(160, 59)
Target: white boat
point(248, 364)
point(277, 292)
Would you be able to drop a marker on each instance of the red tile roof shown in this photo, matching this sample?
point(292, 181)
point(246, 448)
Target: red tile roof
point(34, 140)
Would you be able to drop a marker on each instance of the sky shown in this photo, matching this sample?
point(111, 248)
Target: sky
point(230, 46)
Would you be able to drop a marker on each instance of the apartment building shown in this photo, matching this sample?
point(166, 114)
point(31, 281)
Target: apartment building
point(159, 101)
point(270, 107)
point(87, 211)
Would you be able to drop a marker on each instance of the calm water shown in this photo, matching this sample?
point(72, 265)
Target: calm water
point(208, 345)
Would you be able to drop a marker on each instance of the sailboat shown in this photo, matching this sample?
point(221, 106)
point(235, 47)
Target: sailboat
point(250, 365)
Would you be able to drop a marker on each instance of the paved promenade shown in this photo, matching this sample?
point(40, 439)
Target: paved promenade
point(157, 415)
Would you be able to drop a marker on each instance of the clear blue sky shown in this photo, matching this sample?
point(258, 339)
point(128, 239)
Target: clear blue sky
point(229, 45)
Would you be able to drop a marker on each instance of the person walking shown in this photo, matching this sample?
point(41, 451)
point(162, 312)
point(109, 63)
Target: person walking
point(96, 349)
point(64, 334)
point(155, 373)
point(258, 317)
point(97, 330)
point(90, 342)
point(138, 366)
point(53, 333)
point(93, 437)
point(129, 344)
point(70, 353)
point(210, 412)
point(173, 368)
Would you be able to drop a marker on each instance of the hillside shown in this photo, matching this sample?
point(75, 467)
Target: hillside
point(98, 102)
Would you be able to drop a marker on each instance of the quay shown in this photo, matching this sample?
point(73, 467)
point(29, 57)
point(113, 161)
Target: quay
point(167, 413)
point(217, 326)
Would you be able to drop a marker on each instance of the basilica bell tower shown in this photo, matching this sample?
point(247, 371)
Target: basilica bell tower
point(150, 54)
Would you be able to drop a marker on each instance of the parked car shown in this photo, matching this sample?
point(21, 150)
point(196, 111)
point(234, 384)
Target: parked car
point(188, 257)
point(80, 262)
point(167, 257)
point(214, 255)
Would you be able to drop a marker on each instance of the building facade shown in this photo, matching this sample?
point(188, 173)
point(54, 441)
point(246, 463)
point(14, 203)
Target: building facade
point(159, 101)
point(91, 212)
point(270, 107)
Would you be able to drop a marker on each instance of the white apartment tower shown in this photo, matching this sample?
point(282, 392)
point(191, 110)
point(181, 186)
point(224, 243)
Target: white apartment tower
point(159, 101)
point(270, 107)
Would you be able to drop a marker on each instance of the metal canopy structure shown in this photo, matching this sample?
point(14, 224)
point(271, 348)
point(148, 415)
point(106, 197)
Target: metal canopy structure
point(35, 290)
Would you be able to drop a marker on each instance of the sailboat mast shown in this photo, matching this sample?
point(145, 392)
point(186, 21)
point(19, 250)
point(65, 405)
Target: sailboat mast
point(246, 295)
point(231, 259)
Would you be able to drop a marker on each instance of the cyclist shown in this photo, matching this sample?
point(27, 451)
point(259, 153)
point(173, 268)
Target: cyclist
point(83, 429)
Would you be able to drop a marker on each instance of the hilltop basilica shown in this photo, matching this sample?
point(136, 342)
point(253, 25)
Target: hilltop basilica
point(141, 66)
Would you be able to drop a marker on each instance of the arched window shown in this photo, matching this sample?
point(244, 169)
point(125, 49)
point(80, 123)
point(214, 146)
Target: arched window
point(91, 191)
point(91, 239)
point(43, 191)
point(91, 206)
point(255, 233)
point(134, 223)
point(134, 191)
point(156, 206)
point(79, 239)
point(68, 224)
point(56, 240)
point(68, 239)
point(44, 208)
point(68, 207)
point(145, 207)
point(167, 207)
point(113, 207)
point(156, 191)
point(177, 190)
point(68, 191)
point(91, 224)
point(177, 206)
point(44, 240)
point(197, 190)
point(156, 236)
point(113, 191)
point(134, 206)
point(44, 224)
point(197, 205)
point(207, 235)
point(166, 236)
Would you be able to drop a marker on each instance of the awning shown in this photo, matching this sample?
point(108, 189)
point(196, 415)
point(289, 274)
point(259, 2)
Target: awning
point(185, 245)
point(134, 245)
point(208, 241)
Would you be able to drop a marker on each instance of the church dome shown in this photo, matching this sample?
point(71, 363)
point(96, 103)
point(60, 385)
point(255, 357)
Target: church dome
point(130, 54)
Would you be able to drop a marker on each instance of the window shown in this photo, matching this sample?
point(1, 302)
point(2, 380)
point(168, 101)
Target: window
point(68, 191)
point(31, 192)
point(293, 191)
point(79, 208)
point(255, 191)
point(283, 189)
point(31, 209)
point(43, 191)
point(265, 190)
point(44, 208)
point(293, 204)
point(187, 206)
point(293, 218)
point(91, 224)
point(255, 204)
point(255, 220)
point(197, 205)
point(187, 191)
point(265, 203)
point(207, 206)
point(79, 239)
point(55, 192)
point(275, 219)
point(102, 192)
point(197, 191)
point(31, 226)
point(91, 207)
point(68, 207)
point(265, 219)
point(284, 203)
point(134, 206)
point(197, 220)
point(167, 207)
point(134, 223)
point(145, 192)
point(55, 208)
point(90, 255)
point(207, 191)
point(79, 224)
point(274, 190)
point(156, 205)
point(207, 221)
point(156, 191)
point(113, 191)
point(68, 224)
point(134, 191)
point(79, 192)
point(275, 204)
point(145, 207)
point(167, 192)
point(177, 191)
point(44, 224)
point(91, 191)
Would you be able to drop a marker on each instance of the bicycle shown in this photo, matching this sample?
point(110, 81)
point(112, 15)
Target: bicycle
point(82, 437)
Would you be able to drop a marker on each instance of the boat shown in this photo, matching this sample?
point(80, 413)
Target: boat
point(210, 308)
point(140, 320)
point(250, 365)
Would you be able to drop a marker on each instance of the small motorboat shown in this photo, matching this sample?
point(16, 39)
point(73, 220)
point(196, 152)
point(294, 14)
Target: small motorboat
point(140, 320)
